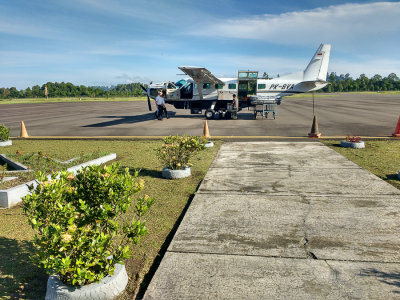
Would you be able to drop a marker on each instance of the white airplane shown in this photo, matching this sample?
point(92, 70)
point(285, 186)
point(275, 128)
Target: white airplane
point(204, 91)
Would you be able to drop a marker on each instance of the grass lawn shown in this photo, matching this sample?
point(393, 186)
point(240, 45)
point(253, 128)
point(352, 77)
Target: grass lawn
point(41, 161)
point(381, 158)
point(20, 279)
point(70, 99)
point(323, 95)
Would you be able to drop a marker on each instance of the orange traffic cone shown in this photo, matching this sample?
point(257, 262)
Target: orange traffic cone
point(206, 133)
point(314, 129)
point(24, 133)
point(397, 130)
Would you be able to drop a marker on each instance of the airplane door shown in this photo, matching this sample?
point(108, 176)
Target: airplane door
point(187, 91)
point(247, 84)
point(173, 93)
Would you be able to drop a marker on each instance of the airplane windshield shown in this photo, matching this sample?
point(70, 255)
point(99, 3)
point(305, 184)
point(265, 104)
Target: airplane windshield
point(171, 85)
point(180, 83)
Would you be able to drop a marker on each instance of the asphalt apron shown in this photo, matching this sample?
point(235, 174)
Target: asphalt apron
point(284, 220)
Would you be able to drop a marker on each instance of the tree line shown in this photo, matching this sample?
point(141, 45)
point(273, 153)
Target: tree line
point(62, 89)
point(344, 83)
point(341, 83)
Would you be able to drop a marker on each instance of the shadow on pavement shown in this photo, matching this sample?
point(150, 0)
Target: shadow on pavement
point(388, 278)
point(117, 120)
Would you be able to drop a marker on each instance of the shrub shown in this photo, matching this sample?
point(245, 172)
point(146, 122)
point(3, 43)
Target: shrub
point(4, 133)
point(77, 219)
point(176, 151)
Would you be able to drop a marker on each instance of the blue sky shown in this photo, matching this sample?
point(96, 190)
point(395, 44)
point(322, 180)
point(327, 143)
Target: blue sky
point(105, 42)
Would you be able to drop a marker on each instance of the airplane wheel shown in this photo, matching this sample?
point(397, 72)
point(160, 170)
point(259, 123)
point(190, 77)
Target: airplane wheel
point(209, 114)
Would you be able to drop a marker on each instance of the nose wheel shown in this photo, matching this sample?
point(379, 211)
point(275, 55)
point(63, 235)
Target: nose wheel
point(209, 114)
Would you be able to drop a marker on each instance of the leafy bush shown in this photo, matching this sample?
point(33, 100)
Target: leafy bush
point(4, 133)
point(176, 151)
point(79, 235)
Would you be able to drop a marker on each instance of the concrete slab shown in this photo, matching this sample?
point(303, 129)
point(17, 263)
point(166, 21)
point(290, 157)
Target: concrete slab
point(290, 180)
point(345, 228)
point(210, 276)
point(288, 221)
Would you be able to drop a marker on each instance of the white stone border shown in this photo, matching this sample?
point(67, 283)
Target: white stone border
point(108, 288)
point(13, 196)
point(175, 174)
point(5, 143)
point(355, 145)
point(209, 144)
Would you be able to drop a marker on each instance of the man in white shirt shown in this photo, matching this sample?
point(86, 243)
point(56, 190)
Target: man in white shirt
point(160, 103)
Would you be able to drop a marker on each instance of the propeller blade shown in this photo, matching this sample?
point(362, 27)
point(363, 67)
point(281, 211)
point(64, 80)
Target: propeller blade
point(144, 89)
point(148, 102)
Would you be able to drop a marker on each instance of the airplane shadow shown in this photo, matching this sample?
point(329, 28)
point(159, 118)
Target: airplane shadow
point(117, 120)
point(392, 279)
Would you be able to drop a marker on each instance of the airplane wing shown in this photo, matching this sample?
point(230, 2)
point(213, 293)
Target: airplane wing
point(200, 75)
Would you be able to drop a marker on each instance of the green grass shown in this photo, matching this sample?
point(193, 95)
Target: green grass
point(381, 158)
point(324, 95)
point(309, 95)
point(70, 99)
point(20, 279)
point(44, 162)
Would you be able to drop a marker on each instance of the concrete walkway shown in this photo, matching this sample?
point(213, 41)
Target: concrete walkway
point(280, 220)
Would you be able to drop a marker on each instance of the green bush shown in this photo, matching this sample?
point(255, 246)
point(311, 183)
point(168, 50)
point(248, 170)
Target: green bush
point(4, 133)
point(176, 151)
point(77, 222)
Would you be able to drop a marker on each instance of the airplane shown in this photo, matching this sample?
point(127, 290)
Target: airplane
point(204, 91)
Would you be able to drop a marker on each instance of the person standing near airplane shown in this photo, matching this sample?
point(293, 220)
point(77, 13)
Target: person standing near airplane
point(235, 102)
point(160, 103)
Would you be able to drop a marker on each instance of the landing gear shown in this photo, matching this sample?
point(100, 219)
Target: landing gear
point(209, 114)
point(221, 114)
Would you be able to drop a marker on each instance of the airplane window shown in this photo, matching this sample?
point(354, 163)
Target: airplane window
point(206, 85)
point(261, 86)
point(180, 83)
point(218, 86)
point(253, 75)
point(242, 74)
point(171, 85)
point(243, 86)
point(232, 86)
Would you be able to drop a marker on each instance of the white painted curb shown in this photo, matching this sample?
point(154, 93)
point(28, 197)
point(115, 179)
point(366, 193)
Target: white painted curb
point(13, 196)
point(347, 144)
point(108, 288)
point(5, 143)
point(175, 174)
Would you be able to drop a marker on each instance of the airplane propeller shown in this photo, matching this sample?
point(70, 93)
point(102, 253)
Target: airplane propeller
point(148, 98)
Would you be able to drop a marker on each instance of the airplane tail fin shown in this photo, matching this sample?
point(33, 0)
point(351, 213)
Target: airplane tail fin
point(317, 69)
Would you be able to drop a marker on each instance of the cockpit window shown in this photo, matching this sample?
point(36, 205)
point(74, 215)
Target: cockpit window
point(171, 85)
point(180, 83)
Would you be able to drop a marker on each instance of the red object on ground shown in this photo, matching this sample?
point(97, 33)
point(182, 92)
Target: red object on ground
point(397, 130)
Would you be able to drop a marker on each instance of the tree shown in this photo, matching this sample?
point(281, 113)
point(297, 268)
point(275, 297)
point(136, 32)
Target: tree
point(265, 76)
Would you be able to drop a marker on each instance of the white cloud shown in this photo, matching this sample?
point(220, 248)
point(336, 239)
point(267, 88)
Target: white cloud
point(24, 28)
point(370, 67)
point(347, 26)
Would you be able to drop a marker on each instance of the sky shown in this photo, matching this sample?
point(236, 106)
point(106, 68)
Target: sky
point(108, 42)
